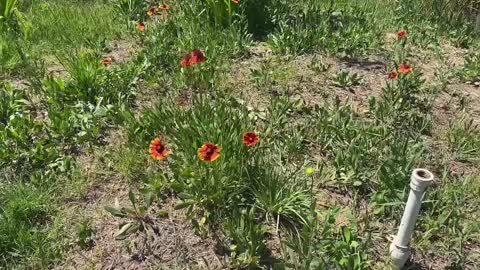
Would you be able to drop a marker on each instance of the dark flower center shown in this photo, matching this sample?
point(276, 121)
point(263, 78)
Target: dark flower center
point(210, 151)
point(160, 148)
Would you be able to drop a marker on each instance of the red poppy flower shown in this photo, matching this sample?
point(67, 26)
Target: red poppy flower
point(250, 138)
point(404, 68)
point(106, 60)
point(197, 57)
point(164, 6)
point(186, 60)
point(152, 11)
point(158, 150)
point(209, 152)
point(392, 75)
point(401, 33)
point(140, 26)
point(236, 1)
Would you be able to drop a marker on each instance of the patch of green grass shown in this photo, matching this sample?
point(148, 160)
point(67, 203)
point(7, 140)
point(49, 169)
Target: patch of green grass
point(464, 139)
point(59, 25)
point(24, 238)
point(451, 214)
point(9, 58)
point(333, 28)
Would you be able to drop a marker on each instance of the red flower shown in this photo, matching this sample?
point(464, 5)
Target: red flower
point(250, 138)
point(140, 26)
point(152, 11)
point(106, 60)
point(158, 150)
point(236, 1)
point(404, 68)
point(197, 57)
point(392, 75)
point(186, 60)
point(164, 6)
point(401, 33)
point(209, 152)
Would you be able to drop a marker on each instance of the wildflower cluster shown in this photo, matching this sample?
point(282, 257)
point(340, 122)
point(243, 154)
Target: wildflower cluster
point(404, 68)
point(152, 11)
point(207, 152)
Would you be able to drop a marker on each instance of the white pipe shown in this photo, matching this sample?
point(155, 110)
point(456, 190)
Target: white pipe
point(400, 249)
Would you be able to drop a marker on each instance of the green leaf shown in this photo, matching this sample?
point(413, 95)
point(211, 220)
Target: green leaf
point(132, 198)
point(127, 230)
point(354, 244)
point(162, 213)
point(346, 234)
point(184, 196)
point(115, 211)
point(177, 187)
point(128, 210)
point(122, 232)
point(182, 205)
point(149, 199)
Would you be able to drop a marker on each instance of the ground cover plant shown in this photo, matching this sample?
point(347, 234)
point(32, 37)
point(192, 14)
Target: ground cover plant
point(236, 134)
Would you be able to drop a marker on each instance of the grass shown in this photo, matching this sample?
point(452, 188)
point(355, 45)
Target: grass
point(323, 187)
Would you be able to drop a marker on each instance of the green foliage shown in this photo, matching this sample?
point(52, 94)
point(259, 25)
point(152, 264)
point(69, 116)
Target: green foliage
point(318, 65)
point(6, 9)
point(404, 105)
point(450, 215)
point(464, 139)
point(347, 79)
point(247, 240)
point(137, 216)
point(221, 12)
point(59, 25)
point(19, 129)
point(282, 198)
point(471, 69)
point(134, 10)
point(24, 209)
point(85, 234)
point(331, 28)
point(9, 58)
point(320, 245)
point(242, 177)
point(165, 48)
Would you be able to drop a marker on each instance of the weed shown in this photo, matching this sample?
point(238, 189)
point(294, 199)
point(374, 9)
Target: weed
point(318, 65)
point(331, 28)
point(221, 11)
point(347, 79)
point(137, 216)
point(471, 69)
point(248, 242)
point(7, 8)
point(23, 211)
point(463, 138)
point(9, 58)
point(85, 233)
